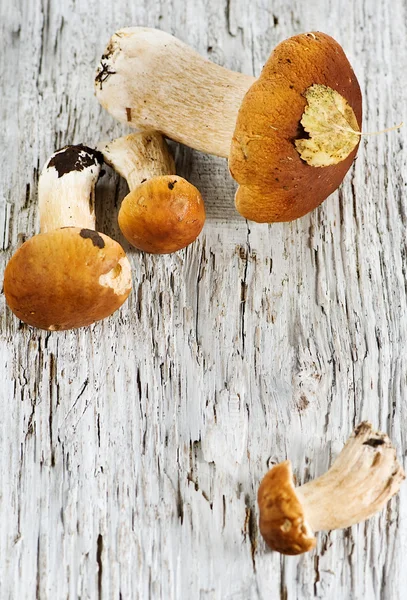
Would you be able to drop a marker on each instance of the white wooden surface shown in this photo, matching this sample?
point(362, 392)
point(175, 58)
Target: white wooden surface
point(131, 452)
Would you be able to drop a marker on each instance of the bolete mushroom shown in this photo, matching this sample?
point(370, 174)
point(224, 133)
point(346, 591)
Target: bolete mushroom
point(364, 476)
point(69, 275)
point(290, 136)
point(163, 212)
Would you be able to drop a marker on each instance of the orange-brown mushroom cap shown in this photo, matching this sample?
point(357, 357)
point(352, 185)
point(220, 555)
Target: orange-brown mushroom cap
point(282, 520)
point(275, 183)
point(162, 215)
point(67, 278)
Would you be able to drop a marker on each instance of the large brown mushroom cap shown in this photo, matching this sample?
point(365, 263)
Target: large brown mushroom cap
point(67, 278)
point(282, 521)
point(162, 215)
point(275, 183)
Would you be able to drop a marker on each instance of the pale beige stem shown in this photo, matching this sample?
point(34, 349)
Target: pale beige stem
point(364, 476)
point(139, 157)
point(66, 188)
point(153, 81)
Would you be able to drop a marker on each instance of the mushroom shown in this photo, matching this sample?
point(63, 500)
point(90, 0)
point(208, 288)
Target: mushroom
point(364, 476)
point(69, 275)
point(163, 212)
point(290, 136)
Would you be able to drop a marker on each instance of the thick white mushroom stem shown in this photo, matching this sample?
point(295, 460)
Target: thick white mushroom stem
point(151, 80)
point(66, 188)
point(139, 157)
point(364, 476)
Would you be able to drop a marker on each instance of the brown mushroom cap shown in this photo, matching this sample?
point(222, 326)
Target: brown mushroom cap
point(67, 278)
point(282, 521)
point(275, 183)
point(162, 215)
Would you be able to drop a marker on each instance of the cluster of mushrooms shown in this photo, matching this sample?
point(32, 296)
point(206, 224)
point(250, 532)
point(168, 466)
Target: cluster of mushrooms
point(290, 137)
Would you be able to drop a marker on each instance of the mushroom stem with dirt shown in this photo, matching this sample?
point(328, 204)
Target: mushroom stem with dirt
point(163, 212)
point(290, 135)
point(69, 275)
point(362, 479)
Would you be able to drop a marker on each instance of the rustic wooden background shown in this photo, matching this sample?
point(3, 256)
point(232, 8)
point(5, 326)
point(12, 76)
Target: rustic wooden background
point(131, 451)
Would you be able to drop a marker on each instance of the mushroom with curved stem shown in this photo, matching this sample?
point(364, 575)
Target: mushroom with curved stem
point(163, 212)
point(69, 275)
point(150, 80)
point(362, 479)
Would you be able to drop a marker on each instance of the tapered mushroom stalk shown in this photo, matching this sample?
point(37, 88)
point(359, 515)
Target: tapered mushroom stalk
point(286, 160)
point(163, 212)
point(362, 479)
point(69, 275)
point(150, 79)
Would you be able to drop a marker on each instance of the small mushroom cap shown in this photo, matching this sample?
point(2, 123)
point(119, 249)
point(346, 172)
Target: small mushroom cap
point(275, 183)
point(162, 215)
point(282, 521)
point(67, 278)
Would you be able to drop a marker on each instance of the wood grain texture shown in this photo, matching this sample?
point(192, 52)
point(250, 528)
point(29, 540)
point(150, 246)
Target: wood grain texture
point(131, 451)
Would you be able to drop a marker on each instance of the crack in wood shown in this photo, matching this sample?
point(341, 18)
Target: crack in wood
point(99, 552)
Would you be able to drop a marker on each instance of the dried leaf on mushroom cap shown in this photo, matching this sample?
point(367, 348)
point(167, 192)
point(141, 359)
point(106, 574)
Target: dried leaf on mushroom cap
point(332, 127)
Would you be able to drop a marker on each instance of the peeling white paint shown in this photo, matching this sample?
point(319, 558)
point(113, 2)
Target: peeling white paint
point(116, 475)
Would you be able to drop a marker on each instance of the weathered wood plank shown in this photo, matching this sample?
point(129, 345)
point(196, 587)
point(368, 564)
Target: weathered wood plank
point(131, 452)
